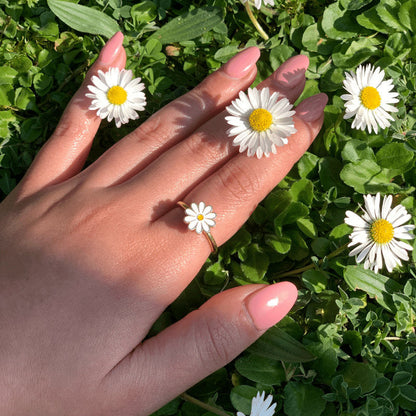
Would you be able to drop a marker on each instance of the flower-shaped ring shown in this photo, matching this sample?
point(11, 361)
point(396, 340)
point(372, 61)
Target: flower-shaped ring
point(200, 218)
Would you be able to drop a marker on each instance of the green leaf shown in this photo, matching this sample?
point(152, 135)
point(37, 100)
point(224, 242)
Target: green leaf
point(215, 274)
point(143, 12)
point(375, 285)
point(260, 369)
point(256, 264)
point(293, 212)
point(307, 227)
point(358, 51)
point(371, 20)
point(241, 397)
point(407, 15)
point(338, 23)
point(190, 25)
point(84, 19)
point(360, 375)
point(321, 246)
point(25, 99)
point(388, 11)
point(340, 231)
point(6, 95)
point(355, 4)
point(356, 150)
point(302, 191)
point(315, 280)
point(329, 173)
point(278, 345)
point(366, 176)
point(280, 54)
point(401, 378)
point(303, 400)
point(281, 244)
point(7, 75)
point(307, 164)
point(394, 156)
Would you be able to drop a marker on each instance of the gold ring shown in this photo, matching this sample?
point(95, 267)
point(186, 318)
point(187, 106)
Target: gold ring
point(200, 218)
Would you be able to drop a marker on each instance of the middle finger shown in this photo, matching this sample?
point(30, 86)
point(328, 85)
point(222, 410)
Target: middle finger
point(191, 161)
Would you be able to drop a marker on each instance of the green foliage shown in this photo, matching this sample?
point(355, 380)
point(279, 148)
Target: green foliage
point(348, 346)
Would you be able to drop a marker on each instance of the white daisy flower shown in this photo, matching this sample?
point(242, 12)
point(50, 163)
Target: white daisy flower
point(260, 406)
point(369, 98)
point(115, 94)
point(260, 121)
point(200, 217)
point(378, 232)
point(257, 3)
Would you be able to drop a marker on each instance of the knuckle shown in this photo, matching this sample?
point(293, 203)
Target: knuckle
point(239, 182)
point(215, 350)
point(203, 143)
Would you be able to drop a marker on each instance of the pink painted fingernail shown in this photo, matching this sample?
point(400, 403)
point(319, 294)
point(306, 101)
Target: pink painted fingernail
point(111, 48)
point(239, 65)
point(291, 72)
point(311, 108)
point(269, 305)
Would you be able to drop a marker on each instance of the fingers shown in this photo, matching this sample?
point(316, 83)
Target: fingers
point(235, 189)
point(66, 151)
point(205, 151)
point(175, 121)
point(199, 344)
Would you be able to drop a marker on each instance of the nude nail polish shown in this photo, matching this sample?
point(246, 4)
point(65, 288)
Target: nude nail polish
point(111, 48)
point(240, 65)
point(291, 72)
point(312, 108)
point(269, 305)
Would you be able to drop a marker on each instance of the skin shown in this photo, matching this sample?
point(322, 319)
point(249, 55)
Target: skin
point(89, 258)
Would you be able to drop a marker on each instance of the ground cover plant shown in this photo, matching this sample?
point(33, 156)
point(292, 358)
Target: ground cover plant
point(348, 345)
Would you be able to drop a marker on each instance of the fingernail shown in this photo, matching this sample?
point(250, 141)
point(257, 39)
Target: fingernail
point(292, 71)
point(269, 305)
point(111, 48)
point(239, 65)
point(311, 108)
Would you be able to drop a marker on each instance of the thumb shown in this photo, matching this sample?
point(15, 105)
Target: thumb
point(205, 340)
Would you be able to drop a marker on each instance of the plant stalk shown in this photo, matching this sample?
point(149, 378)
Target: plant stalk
point(203, 405)
point(312, 265)
point(256, 24)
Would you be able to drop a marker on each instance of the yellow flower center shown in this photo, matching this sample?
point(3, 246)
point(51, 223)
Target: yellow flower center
point(381, 231)
point(260, 119)
point(200, 217)
point(117, 95)
point(370, 98)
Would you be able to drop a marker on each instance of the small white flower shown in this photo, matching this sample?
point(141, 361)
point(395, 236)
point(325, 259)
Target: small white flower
point(260, 121)
point(377, 233)
point(257, 3)
point(369, 98)
point(115, 94)
point(200, 217)
point(260, 406)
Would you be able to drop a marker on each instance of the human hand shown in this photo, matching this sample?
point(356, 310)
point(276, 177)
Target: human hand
point(90, 258)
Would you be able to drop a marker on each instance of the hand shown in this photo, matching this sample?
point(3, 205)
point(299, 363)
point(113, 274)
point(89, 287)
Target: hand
point(90, 258)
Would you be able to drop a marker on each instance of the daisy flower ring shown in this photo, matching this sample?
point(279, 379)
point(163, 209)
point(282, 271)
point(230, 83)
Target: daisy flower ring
point(200, 218)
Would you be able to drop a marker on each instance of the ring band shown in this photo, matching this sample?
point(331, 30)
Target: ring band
point(193, 218)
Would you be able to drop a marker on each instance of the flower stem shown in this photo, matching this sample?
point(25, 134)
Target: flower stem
point(256, 24)
point(312, 265)
point(203, 405)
